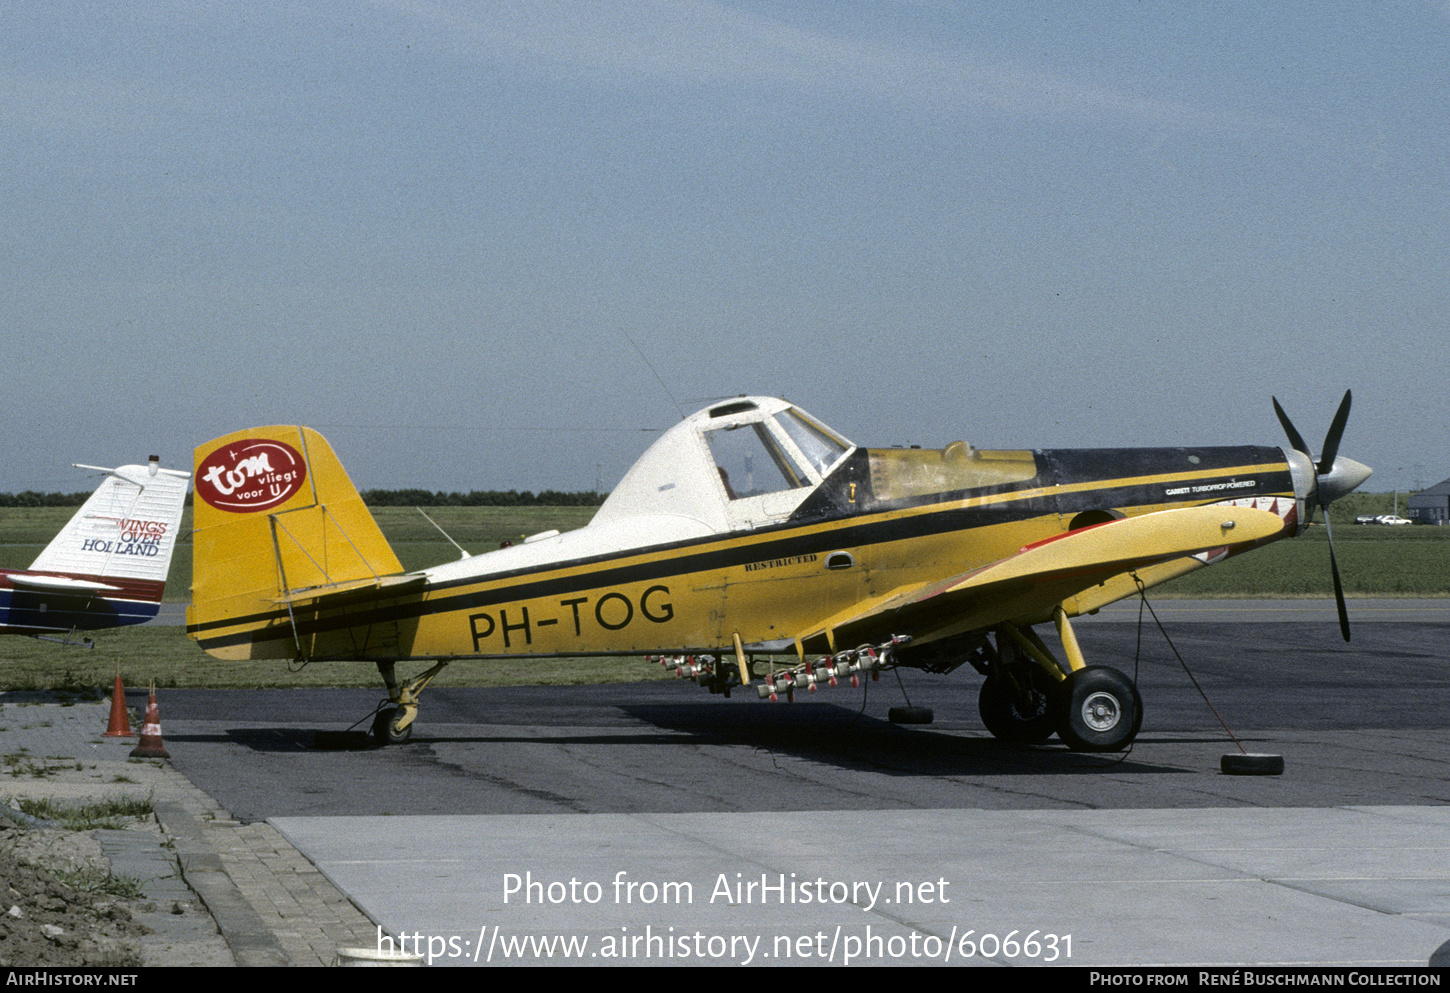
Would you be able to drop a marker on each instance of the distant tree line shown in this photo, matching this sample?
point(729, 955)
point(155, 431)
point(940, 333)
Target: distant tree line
point(30, 498)
point(373, 498)
point(480, 498)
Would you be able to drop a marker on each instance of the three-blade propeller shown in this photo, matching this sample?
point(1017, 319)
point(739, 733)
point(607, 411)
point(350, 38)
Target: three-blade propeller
point(1333, 477)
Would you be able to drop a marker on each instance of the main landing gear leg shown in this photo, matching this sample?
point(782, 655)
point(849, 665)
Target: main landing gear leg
point(1101, 710)
point(393, 725)
point(1028, 694)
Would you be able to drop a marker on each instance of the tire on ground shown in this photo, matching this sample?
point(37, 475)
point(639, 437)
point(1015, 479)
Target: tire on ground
point(1006, 717)
point(1101, 710)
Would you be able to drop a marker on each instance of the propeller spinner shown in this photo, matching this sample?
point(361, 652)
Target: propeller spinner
point(1326, 481)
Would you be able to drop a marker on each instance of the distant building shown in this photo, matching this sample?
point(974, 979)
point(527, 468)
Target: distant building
point(1431, 506)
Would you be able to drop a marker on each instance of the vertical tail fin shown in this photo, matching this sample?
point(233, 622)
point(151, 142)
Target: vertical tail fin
point(108, 565)
point(277, 523)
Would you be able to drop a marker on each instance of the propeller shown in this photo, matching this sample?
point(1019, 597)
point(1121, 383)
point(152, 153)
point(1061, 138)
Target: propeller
point(1334, 476)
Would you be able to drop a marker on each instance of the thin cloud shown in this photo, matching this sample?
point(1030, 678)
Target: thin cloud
point(704, 43)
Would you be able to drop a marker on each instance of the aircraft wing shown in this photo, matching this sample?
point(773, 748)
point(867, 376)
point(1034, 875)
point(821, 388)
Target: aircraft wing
point(1040, 576)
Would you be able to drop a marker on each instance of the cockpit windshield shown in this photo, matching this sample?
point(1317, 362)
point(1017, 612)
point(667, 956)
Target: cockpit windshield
point(821, 448)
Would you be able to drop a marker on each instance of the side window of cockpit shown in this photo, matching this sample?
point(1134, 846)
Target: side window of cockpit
point(750, 462)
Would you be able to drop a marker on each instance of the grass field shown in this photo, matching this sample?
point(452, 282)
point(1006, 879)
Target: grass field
point(1373, 561)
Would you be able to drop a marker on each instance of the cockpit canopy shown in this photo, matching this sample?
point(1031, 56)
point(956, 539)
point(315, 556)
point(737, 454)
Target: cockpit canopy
point(741, 463)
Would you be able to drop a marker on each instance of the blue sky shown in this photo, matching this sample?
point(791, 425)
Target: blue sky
point(492, 245)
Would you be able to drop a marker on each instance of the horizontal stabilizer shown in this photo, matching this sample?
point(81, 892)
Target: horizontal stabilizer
point(334, 592)
point(61, 584)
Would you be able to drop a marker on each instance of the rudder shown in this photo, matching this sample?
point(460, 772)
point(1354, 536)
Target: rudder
point(277, 520)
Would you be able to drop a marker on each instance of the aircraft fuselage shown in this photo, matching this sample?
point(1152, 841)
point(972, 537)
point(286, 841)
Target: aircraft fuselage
point(881, 520)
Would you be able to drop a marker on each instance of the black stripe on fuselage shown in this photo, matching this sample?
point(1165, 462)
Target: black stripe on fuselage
point(796, 537)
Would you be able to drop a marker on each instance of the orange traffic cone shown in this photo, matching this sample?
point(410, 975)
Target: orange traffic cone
point(150, 746)
point(120, 723)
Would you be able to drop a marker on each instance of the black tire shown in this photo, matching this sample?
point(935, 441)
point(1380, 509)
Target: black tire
point(1101, 710)
point(910, 715)
point(1013, 720)
point(1251, 764)
point(385, 728)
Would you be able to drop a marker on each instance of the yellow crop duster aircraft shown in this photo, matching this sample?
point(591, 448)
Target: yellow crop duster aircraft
point(748, 531)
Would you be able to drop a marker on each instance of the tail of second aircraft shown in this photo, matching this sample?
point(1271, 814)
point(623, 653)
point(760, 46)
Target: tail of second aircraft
point(108, 565)
point(278, 528)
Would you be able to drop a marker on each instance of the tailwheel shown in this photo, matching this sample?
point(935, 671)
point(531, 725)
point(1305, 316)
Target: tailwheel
point(1101, 710)
point(394, 725)
point(1017, 705)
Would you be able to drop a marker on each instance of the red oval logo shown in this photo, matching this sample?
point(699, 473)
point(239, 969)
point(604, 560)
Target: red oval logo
point(250, 475)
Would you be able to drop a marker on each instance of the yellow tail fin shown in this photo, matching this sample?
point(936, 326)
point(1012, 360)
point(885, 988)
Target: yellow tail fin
point(277, 522)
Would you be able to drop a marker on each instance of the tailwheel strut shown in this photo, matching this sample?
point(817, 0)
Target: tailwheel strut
point(393, 723)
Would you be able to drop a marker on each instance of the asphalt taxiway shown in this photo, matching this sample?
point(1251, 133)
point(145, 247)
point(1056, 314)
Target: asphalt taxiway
point(655, 824)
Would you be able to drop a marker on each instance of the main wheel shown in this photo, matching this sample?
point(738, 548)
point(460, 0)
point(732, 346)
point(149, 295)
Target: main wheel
point(1023, 718)
point(1102, 710)
point(386, 730)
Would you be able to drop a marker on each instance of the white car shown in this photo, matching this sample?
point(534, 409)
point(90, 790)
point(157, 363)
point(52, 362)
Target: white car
point(1392, 519)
